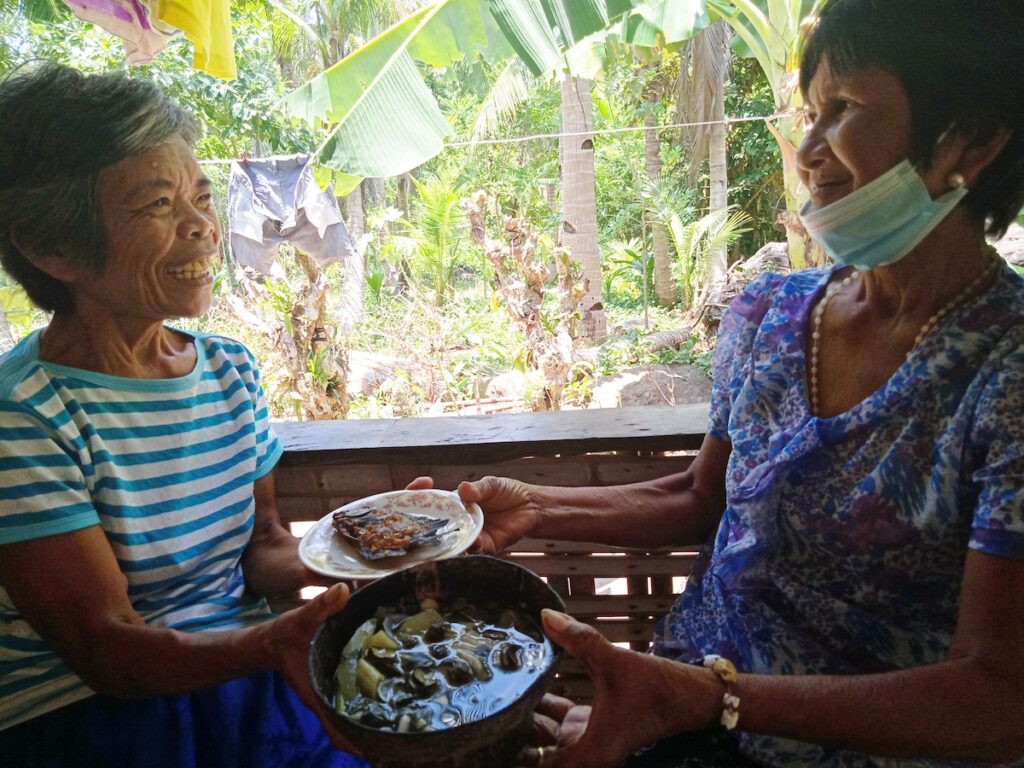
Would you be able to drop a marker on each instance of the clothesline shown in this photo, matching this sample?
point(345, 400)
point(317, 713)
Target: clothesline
point(596, 132)
point(607, 131)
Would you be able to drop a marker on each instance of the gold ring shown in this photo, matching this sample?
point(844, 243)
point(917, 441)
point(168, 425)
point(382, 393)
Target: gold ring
point(540, 755)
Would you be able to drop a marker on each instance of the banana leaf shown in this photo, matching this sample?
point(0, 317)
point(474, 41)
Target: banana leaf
point(676, 21)
point(541, 31)
point(384, 119)
point(766, 30)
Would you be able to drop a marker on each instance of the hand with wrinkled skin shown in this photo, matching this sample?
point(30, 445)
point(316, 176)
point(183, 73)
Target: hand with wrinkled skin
point(287, 642)
point(558, 723)
point(510, 511)
point(656, 697)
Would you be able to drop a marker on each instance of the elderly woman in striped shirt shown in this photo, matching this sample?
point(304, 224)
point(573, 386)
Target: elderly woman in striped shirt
point(138, 529)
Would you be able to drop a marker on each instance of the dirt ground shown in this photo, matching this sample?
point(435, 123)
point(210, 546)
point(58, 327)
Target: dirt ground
point(652, 385)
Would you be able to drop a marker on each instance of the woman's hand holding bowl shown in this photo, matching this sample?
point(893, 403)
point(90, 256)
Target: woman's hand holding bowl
point(638, 699)
point(287, 641)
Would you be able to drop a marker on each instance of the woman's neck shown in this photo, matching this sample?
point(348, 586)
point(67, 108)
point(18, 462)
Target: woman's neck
point(951, 257)
point(117, 346)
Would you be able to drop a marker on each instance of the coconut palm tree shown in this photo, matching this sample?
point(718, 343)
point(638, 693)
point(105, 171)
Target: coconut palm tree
point(700, 98)
point(355, 98)
point(665, 292)
point(579, 200)
point(703, 70)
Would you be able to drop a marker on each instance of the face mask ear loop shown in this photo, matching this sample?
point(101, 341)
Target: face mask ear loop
point(944, 135)
point(955, 180)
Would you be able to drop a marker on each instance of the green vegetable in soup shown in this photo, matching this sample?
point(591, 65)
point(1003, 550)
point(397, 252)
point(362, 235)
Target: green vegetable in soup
point(420, 623)
point(433, 667)
point(345, 674)
point(360, 638)
point(368, 679)
point(382, 639)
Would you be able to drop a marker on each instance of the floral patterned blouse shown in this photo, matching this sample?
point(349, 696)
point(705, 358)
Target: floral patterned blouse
point(842, 546)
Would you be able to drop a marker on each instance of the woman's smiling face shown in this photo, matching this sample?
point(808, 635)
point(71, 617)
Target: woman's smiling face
point(162, 235)
point(858, 128)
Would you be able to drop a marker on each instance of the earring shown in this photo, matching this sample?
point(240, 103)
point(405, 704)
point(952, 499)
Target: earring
point(956, 180)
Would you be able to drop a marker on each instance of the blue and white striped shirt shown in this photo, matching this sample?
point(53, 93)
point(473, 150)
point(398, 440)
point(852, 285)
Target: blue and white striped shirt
point(164, 466)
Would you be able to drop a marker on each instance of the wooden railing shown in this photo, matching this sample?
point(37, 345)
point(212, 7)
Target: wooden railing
point(621, 592)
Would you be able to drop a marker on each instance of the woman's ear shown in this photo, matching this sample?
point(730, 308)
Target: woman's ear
point(55, 263)
point(968, 156)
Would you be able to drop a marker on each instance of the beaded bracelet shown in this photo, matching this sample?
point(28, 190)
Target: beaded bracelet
point(726, 671)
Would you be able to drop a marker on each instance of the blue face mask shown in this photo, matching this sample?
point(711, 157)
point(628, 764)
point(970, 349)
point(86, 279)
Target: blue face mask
point(881, 222)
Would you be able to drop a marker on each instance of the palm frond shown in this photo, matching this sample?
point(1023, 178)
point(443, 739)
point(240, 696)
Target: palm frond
point(45, 11)
point(704, 62)
point(727, 231)
point(509, 91)
point(314, 36)
point(696, 241)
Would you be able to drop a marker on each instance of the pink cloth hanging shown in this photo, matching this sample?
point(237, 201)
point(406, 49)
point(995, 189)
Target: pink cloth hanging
point(128, 20)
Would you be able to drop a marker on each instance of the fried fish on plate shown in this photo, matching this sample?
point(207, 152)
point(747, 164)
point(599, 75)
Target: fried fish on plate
point(378, 532)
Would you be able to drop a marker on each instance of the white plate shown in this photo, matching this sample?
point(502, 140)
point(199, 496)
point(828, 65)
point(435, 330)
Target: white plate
point(323, 550)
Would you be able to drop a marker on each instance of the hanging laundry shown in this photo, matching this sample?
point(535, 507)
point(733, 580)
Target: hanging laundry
point(129, 20)
point(276, 199)
point(143, 50)
point(207, 24)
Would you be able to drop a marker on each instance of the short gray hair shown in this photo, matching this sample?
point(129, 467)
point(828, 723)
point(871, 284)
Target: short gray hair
point(60, 129)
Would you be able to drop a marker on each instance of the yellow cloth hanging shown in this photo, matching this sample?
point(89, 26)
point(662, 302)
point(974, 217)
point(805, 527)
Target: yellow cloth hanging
point(207, 23)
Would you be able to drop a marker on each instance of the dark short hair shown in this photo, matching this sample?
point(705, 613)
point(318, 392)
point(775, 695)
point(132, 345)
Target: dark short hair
point(59, 130)
point(961, 63)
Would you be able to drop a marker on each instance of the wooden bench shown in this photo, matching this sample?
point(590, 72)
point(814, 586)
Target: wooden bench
point(621, 592)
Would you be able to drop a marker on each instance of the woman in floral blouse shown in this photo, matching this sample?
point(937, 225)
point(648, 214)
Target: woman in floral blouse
point(861, 485)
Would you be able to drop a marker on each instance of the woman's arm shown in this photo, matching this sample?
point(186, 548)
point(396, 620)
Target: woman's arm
point(964, 708)
point(71, 591)
point(679, 509)
point(271, 561)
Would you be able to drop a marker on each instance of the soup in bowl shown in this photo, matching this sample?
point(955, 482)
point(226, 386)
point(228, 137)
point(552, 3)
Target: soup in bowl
point(439, 665)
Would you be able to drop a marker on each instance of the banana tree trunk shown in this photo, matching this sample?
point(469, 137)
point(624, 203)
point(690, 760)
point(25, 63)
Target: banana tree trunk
point(788, 135)
point(579, 201)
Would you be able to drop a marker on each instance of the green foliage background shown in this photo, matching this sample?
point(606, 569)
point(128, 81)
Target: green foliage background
point(460, 330)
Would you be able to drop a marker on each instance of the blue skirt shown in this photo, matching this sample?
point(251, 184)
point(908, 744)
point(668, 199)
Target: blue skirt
point(252, 722)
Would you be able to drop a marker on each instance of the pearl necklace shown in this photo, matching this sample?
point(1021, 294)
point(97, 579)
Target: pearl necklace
point(930, 324)
point(819, 312)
